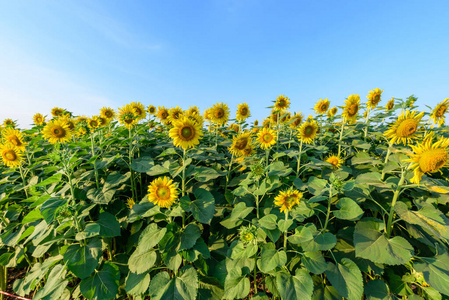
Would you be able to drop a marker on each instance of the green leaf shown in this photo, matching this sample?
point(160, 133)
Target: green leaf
point(299, 286)
point(372, 178)
point(268, 222)
point(236, 285)
point(320, 242)
point(436, 271)
point(82, 260)
point(314, 262)
point(316, 186)
point(50, 207)
point(346, 278)
point(109, 226)
point(142, 260)
point(89, 231)
point(183, 287)
point(373, 245)
point(189, 236)
point(55, 178)
point(150, 236)
point(114, 179)
point(204, 174)
point(137, 284)
point(377, 290)
point(32, 216)
point(284, 225)
point(270, 258)
point(55, 285)
point(142, 164)
point(237, 216)
point(103, 284)
point(203, 207)
point(209, 289)
point(348, 210)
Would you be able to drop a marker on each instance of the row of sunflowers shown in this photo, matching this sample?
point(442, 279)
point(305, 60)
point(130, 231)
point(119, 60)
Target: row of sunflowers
point(160, 203)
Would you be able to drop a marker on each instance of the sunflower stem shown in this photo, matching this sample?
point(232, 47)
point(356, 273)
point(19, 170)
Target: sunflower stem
point(397, 192)
point(23, 180)
point(299, 159)
point(277, 132)
point(184, 173)
point(386, 161)
point(341, 138)
point(3, 280)
point(286, 230)
point(328, 213)
point(267, 153)
point(229, 173)
point(367, 124)
point(93, 155)
point(130, 155)
point(255, 276)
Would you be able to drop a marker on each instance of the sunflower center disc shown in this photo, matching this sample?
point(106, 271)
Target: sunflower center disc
point(353, 109)
point(163, 193)
point(243, 111)
point(10, 155)
point(441, 111)
point(219, 113)
point(407, 128)
point(186, 133)
point(333, 161)
point(58, 132)
point(267, 138)
point(15, 141)
point(108, 114)
point(432, 160)
point(308, 131)
point(241, 144)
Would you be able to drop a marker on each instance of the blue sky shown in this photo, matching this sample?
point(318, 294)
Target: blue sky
point(83, 55)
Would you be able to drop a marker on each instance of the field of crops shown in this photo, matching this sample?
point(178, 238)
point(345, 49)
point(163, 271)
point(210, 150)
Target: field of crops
point(146, 202)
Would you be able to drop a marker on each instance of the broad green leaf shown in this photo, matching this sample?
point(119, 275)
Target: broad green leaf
point(314, 262)
point(270, 258)
point(316, 186)
point(204, 174)
point(55, 285)
point(137, 284)
point(109, 226)
point(236, 286)
point(150, 236)
point(209, 289)
point(32, 216)
point(348, 210)
point(237, 216)
point(157, 170)
point(303, 234)
point(346, 278)
point(203, 207)
point(373, 178)
point(320, 242)
point(189, 236)
point(299, 286)
point(373, 245)
point(114, 179)
point(50, 207)
point(180, 287)
point(103, 284)
point(436, 271)
point(268, 222)
point(55, 178)
point(83, 260)
point(377, 290)
point(240, 250)
point(142, 164)
point(89, 231)
point(284, 225)
point(142, 260)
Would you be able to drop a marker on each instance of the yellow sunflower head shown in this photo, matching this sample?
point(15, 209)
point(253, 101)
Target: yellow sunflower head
point(11, 155)
point(240, 143)
point(162, 192)
point(390, 104)
point(185, 133)
point(285, 117)
point(282, 103)
point(373, 98)
point(438, 113)
point(351, 108)
point(256, 123)
point(332, 112)
point(126, 116)
point(193, 110)
point(57, 112)
point(80, 131)
point(405, 129)
point(288, 199)
point(242, 112)
point(9, 123)
point(38, 119)
point(296, 120)
point(176, 113)
point(163, 114)
point(69, 122)
point(57, 131)
point(138, 110)
point(335, 161)
point(219, 113)
point(428, 157)
point(197, 118)
point(93, 122)
point(308, 131)
point(266, 123)
point(234, 127)
point(107, 113)
point(13, 137)
point(82, 120)
point(152, 109)
point(266, 137)
point(322, 106)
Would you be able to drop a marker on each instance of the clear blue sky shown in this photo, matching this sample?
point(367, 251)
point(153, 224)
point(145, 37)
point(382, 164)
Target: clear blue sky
point(83, 55)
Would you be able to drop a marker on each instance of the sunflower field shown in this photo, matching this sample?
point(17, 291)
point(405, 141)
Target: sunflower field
point(164, 203)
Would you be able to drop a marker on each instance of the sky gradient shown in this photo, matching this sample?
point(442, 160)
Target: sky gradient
point(83, 55)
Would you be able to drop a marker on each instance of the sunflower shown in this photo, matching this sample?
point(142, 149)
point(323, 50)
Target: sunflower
point(332, 112)
point(57, 112)
point(240, 143)
point(9, 123)
point(390, 104)
point(234, 127)
point(138, 110)
point(438, 112)
point(322, 106)
point(162, 192)
point(266, 123)
point(405, 129)
point(81, 131)
point(219, 113)
point(107, 113)
point(335, 161)
point(373, 98)
point(38, 119)
point(249, 150)
point(197, 118)
point(256, 123)
point(82, 119)
point(162, 114)
point(242, 112)
point(351, 108)
point(288, 199)
point(286, 117)
point(69, 122)
point(14, 137)
point(57, 131)
point(296, 120)
point(126, 116)
point(266, 138)
point(282, 103)
point(193, 110)
point(308, 131)
point(176, 113)
point(185, 133)
point(11, 155)
point(152, 109)
point(130, 203)
point(93, 122)
point(428, 158)
point(207, 115)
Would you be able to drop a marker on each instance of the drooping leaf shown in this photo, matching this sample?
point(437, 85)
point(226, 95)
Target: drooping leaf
point(203, 207)
point(314, 262)
point(346, 278)
point(436, 271)
point(83, 260)
point(189, 236)
point(299, 286)
point(270, 258)
point(237, 285)
point(377, 290)
point(348, 210)
point(142, 164)
point(103, 284)
point(137, 284)
point(184, 286)
point(109, 226)
point(50, 207)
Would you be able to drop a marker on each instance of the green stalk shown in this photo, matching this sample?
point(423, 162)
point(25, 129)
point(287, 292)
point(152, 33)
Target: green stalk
point(328, 213)
point(255, 276)
point(367, 124)
point(341, 138)
point(386, 160)
point(229, 172)
point(23, 180)
point(267, 153)
point(93, 154)
point(397, 192)
point(130, 156)
point(3, 279)
point(299, 159)
point(184, 173)
point(277, 133)
point(286, 230)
